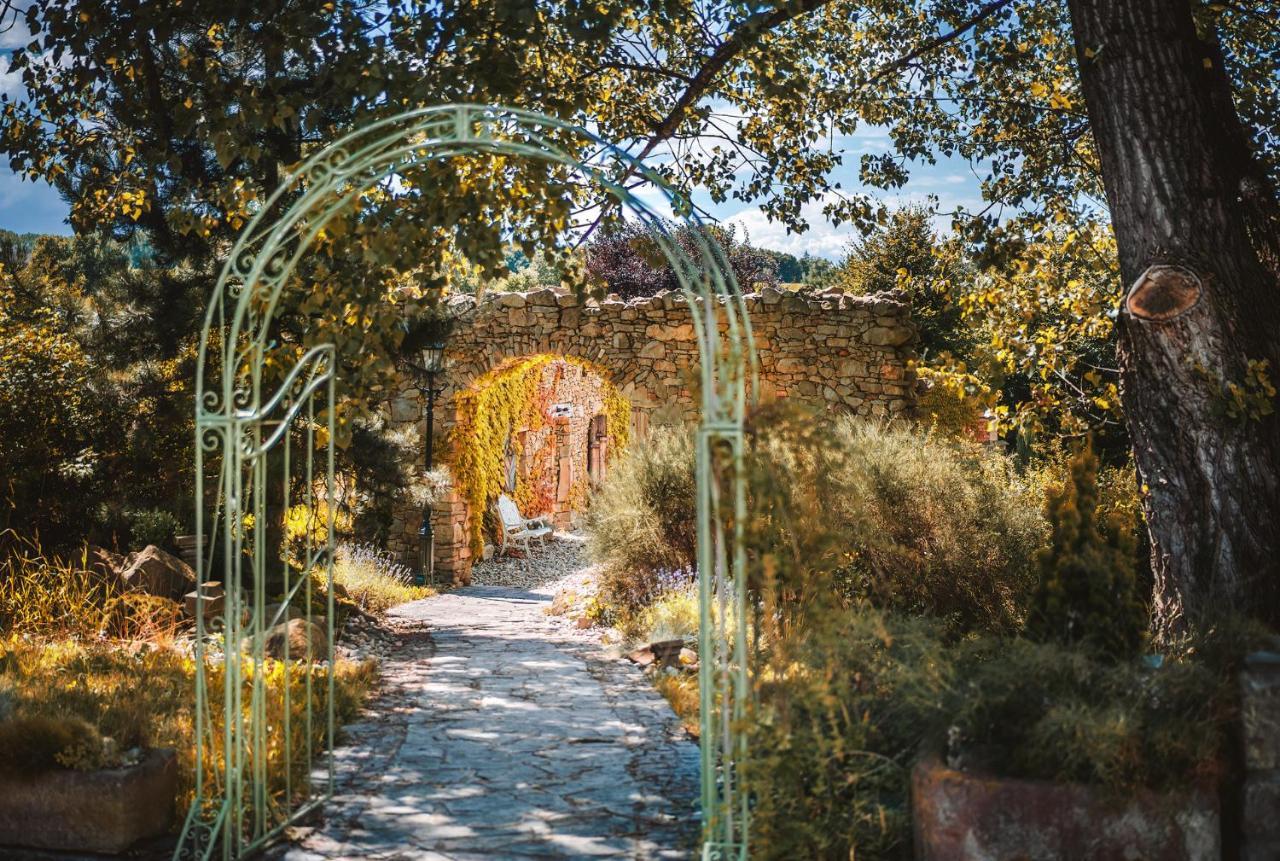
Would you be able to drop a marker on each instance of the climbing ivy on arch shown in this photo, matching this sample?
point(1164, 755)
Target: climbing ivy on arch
point(492, 410)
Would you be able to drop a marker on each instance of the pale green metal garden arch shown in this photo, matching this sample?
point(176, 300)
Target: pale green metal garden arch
point(247, 789)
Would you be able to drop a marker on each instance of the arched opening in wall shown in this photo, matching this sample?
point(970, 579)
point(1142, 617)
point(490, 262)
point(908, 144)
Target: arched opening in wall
point(539, 430)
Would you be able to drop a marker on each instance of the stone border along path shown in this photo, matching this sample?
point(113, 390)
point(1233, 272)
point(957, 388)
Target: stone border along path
point(503, 733)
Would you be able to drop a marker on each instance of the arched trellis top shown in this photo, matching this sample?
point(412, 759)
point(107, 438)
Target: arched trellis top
point(265, 256)
point(243, 804)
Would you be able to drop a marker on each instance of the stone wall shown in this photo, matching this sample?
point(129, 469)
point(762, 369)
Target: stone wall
point(851, 353)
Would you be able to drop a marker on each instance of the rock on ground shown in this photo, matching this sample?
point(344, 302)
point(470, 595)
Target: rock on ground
point(157, 573)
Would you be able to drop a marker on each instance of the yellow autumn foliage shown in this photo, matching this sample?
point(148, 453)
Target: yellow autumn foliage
point(496, 406)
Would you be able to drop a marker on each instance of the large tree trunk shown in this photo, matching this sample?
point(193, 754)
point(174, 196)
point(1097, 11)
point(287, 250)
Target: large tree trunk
point(1181, 187)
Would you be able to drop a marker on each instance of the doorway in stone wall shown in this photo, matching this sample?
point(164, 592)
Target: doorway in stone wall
point(597, 449)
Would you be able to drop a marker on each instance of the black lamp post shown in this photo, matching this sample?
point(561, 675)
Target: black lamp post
point(427, 363)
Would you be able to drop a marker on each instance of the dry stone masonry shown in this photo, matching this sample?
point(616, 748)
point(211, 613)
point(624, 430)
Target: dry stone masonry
point(851, 353)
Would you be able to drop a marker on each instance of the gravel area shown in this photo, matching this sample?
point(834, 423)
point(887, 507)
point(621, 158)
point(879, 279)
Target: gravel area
point(559, 574)
point(564, 556)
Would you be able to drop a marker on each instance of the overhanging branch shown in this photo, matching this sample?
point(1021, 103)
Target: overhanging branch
point(745, 36)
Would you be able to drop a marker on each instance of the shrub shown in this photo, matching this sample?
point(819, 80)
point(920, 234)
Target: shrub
point(153, 526)
point(31, 745)
point(908, 520)
point(47, 463)
point(846, 701)
point(842, 706)
point(934, 526)
point(1119, 501)
point(1087, 591)
point(373, 580)
point(640, 524)
point(1055, 712)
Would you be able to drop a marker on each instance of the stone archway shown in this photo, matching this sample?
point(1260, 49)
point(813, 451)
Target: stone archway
point(851, 353)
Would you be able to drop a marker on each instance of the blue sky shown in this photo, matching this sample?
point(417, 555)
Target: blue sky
point(27, 207)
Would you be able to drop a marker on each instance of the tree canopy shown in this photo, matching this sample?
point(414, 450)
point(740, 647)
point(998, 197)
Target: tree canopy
point(178, 120)
point(625, 259)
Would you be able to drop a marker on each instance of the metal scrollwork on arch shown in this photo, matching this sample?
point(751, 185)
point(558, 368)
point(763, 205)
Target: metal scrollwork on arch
point(265, 448)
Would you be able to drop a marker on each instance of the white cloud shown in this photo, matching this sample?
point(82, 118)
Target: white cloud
point(11, 82)
point(13, 28)
point(655, 200)
point(13, 33)
point(821, 239)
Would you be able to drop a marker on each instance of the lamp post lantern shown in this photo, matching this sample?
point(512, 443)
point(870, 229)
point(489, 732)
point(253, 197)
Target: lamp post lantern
point(425, 340)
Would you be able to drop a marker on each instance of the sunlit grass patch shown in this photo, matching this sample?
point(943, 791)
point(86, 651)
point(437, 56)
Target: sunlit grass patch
point(143, 697)
point(373, 580)
point(91, 676)
point(42, 596)
point(681, 690)
point(674, 615)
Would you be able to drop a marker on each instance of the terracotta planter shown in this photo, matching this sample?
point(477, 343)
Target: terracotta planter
point(958, 815)
point(90, 811)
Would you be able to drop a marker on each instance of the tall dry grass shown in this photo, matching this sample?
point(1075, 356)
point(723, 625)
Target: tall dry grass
point(46, 596)
point(373, 580)
point(89, 675)
point(143, 697)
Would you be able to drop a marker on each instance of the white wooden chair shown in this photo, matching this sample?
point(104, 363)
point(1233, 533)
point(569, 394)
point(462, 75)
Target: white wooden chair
point(518, 531)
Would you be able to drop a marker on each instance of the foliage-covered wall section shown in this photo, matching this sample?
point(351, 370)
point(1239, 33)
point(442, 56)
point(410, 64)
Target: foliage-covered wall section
point(526, 429)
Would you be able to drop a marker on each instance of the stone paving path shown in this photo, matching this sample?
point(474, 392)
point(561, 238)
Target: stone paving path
point(502, 734)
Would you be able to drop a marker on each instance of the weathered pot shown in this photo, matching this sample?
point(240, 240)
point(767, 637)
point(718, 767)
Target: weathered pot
point(975, 817)
point(90, 811)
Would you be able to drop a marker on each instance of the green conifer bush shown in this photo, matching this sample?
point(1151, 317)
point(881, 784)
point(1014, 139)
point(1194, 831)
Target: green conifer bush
point(1087, 593)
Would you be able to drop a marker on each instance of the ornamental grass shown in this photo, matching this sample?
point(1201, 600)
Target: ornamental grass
point(374, 581)
point(90, 677)
point(140, 696)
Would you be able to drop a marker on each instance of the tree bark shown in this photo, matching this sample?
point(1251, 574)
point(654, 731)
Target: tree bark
point(1178, 173)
